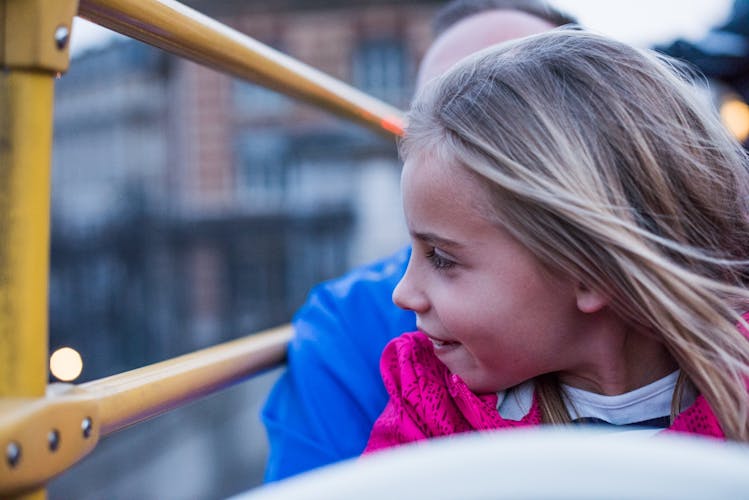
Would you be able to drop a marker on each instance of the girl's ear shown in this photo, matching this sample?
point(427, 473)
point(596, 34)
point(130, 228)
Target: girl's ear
point(589, 300)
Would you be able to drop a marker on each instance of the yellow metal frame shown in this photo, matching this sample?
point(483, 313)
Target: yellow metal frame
point(42, 434)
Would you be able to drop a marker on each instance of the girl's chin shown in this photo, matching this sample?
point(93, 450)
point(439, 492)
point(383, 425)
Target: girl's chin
point(453, 355)
point(478, 383)
point(460, 362)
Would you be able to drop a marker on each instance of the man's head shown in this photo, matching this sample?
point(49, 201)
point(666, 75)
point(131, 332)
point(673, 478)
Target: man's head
point(463, 27)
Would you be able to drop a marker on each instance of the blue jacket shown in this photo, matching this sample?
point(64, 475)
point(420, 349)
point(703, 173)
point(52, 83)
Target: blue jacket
point(322, 408)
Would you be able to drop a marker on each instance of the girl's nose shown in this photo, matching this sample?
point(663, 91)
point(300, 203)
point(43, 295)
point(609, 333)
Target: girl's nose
point(407, 294)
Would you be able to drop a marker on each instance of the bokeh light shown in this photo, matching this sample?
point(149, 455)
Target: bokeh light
point(735, 115)
point(66, 364)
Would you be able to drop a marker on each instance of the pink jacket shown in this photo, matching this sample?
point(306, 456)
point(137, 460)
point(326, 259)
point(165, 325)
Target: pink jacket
point(427, 401)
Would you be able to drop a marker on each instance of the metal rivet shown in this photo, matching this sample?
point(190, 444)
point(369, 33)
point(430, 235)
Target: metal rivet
point(86, 426)
point(53, 439)
point(13, 454)
point(62, 35)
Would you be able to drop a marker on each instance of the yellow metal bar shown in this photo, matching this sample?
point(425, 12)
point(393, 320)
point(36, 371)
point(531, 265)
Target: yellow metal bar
point(58, 430)
point(140, 394)
point(25, 145)
point(33, 49)
point(171, 26)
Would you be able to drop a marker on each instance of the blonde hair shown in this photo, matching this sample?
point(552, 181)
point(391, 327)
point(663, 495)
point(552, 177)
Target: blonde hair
point(603, 162)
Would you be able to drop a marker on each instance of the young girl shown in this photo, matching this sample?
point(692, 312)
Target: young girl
point(580, 231)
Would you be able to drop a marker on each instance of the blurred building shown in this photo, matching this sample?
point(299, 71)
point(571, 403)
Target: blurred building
point(190, 208)
point(722, 56)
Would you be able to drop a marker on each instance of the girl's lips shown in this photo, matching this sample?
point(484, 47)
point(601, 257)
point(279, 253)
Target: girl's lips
point(440, 344)
point(443, 348)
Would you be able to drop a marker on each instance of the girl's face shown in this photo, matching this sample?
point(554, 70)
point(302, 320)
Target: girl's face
point(495, 315)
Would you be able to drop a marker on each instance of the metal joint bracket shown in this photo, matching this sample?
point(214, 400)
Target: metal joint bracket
point(40, 438)
point(35, 34)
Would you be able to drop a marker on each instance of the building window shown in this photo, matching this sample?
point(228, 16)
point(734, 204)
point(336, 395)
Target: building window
point(253, 100)
point(263, 159)
point(380, 69)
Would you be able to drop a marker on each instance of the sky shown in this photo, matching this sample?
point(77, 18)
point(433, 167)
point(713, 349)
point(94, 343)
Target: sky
point(640, 22)
point(645, 22)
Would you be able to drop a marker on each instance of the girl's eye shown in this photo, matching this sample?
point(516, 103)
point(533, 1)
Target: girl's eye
point(438, 261)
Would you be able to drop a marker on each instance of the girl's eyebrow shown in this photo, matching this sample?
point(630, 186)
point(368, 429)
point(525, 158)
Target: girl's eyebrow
point(435, 240)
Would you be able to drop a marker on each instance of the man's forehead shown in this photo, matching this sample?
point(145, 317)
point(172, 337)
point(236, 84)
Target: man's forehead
point(475, 33)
